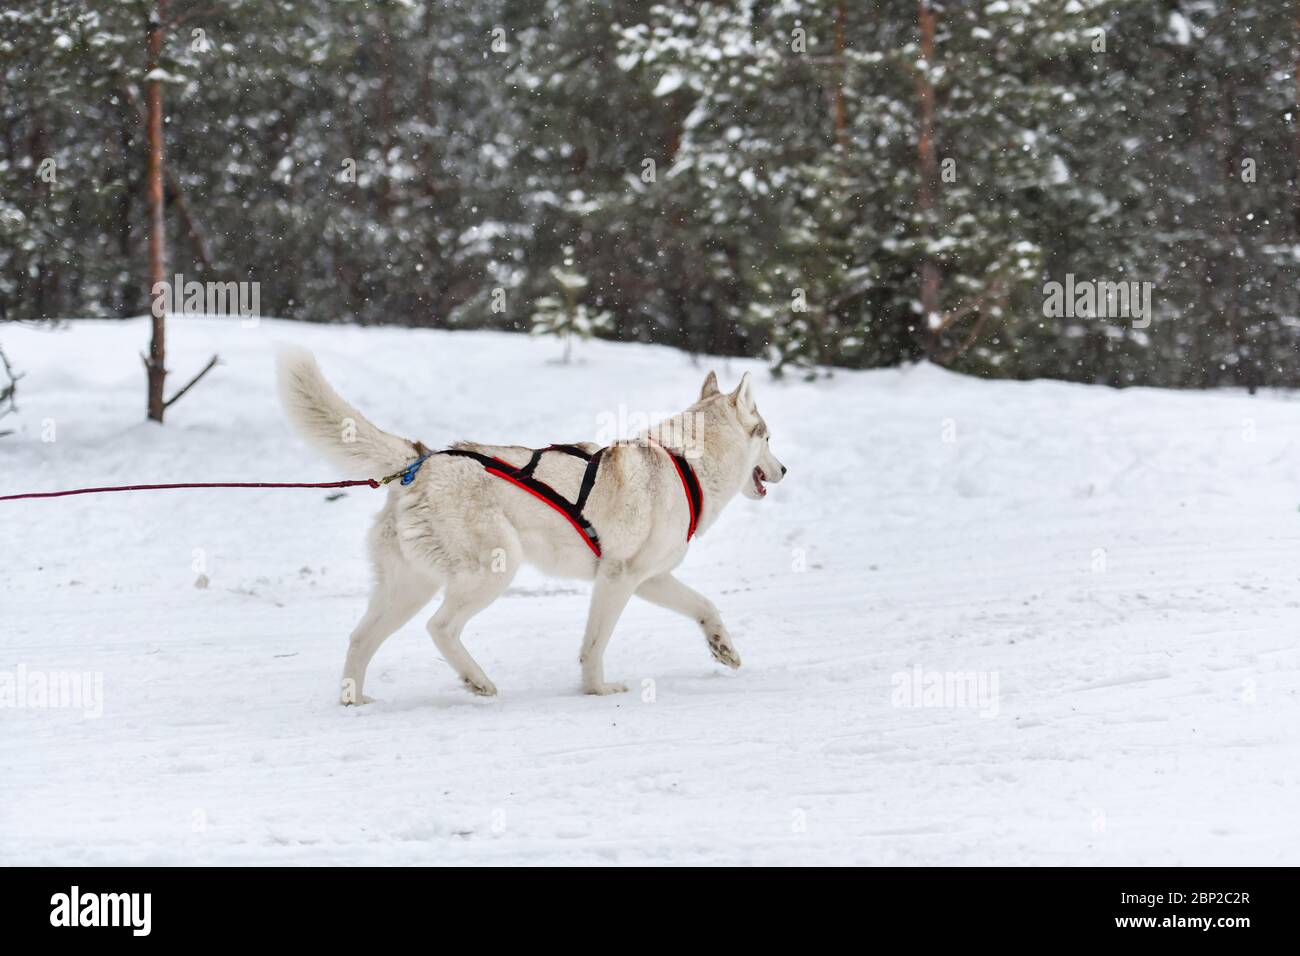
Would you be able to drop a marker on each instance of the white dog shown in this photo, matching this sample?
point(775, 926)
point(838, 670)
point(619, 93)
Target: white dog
point(461, 521)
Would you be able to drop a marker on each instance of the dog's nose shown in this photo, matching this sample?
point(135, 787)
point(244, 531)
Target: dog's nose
point(784, 470)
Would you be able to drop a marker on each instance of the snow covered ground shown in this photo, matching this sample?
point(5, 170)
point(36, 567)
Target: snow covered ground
point(1115, 571)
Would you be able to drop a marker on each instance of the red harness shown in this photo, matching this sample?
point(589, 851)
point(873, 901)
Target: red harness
point(690, 485)
point(572, 511)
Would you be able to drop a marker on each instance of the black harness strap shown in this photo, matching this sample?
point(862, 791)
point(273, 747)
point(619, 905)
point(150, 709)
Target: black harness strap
point(573, 450)
point(588, 480)
point(532, 462)
point(487, 461)
point(536, 459)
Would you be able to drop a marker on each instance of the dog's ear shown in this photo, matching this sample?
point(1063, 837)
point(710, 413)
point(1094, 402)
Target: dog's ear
point(743, 396)
point(710, 387)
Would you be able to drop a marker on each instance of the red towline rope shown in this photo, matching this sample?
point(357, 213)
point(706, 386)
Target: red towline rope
point(200, 484)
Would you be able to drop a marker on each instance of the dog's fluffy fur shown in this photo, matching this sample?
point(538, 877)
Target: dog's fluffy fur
point(459, 530)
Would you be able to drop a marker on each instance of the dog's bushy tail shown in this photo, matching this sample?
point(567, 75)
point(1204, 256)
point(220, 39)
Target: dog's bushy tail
point(333, 426)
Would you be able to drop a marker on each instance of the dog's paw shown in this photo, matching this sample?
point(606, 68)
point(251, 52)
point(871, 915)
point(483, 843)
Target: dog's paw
point(604, 687)
point(722, 651)
point(480, 686)
point(348, 695)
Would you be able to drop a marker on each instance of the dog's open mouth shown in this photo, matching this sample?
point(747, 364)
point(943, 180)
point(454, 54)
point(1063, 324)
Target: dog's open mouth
point(759, 477)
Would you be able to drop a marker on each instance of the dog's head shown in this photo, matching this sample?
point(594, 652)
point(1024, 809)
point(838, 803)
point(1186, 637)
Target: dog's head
point(762, 466)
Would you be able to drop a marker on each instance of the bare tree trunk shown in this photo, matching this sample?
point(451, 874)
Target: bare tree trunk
point(1296, 182)
point(386, 113)
point(929, 178)
point(155, 363)
point(841, 111)
point(1230, 230)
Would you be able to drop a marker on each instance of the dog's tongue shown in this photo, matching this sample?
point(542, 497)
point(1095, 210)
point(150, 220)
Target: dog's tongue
point(758, 482)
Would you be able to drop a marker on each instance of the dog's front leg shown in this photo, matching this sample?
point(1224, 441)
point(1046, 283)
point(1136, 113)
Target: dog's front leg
point(609, 595)
point(666, 591)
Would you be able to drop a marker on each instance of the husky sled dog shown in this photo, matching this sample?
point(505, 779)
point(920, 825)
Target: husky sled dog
point(454, 525)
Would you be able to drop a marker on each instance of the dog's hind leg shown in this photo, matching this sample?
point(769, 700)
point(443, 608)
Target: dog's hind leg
point(668, 592)
point(466, 595)
point(399, 593)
